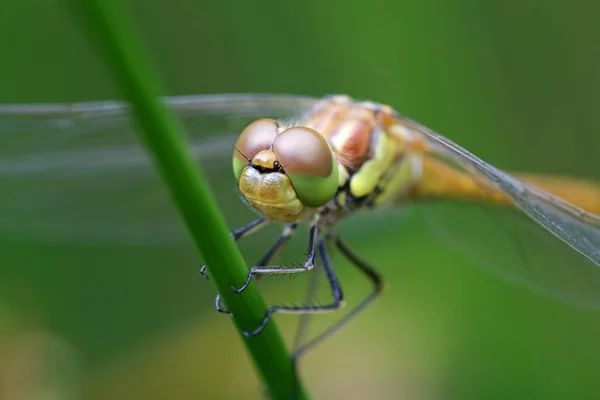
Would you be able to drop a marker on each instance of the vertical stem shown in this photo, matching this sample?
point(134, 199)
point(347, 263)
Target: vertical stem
point(161, 133)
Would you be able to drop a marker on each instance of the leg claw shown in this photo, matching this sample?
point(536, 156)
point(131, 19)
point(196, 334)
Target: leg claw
point(204, 273)
point(244, 286)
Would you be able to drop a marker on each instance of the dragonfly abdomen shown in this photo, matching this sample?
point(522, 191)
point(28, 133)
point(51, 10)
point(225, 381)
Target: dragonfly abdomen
point(444, 182)
point(580, 192)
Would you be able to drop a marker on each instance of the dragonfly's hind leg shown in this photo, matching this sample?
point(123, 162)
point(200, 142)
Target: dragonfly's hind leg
point(336, 290)
point(286, 235)
point(370, 273)
point(239, 233)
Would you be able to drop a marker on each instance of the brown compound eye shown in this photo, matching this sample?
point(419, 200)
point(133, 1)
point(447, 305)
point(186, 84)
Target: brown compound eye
point(308, 160)
point(257, 136)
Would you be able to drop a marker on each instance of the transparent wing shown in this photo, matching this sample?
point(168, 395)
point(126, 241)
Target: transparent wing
point(78, 173)
point(543, 243)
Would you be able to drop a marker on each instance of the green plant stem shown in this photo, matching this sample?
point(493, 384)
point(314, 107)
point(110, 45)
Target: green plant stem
point(160, 131)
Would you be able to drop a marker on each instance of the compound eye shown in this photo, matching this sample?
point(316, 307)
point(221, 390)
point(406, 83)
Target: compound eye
point(308, 160)
point(257, 136)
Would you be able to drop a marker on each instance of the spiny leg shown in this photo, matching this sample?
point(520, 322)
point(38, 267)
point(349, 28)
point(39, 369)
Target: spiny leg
point(308, 265)
point(239, 233)
point(371, 274)
point(336, 291)
point(288, 231)
point(283, 239)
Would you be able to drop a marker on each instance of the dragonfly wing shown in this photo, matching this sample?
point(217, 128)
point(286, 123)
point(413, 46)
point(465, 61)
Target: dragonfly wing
point(508, 244)
point(573, 225)
point(78, 173)
point(543, 242)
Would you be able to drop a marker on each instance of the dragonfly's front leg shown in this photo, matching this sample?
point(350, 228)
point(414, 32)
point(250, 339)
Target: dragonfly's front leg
point(219, 307)
point(239, 233)
point(283, 239)
point(285, 236)
point(247, 230)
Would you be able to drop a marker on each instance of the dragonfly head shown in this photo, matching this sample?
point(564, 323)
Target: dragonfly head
point(284, 172)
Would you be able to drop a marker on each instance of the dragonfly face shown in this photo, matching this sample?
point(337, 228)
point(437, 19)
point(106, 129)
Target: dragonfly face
point(283, 172)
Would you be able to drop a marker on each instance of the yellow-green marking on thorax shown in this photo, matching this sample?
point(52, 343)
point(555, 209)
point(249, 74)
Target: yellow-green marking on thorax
point(367, 177)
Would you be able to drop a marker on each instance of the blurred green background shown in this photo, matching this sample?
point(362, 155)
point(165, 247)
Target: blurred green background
point(515, 82)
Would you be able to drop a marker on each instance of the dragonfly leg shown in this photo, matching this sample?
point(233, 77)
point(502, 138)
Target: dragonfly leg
point(288, 231)
point(219, 307)
point(336, 290)
point(371, 274)
point(239, 233)
point(249, 229)
point(286, 235)
point(204, 273)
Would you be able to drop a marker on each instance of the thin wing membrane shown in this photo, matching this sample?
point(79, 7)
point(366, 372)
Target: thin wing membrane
point(572, 225)
point(541, 242)
point(78, 173)
point(514, 247)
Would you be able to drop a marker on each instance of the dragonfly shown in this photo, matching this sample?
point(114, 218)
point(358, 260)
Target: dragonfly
point(75, 173)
